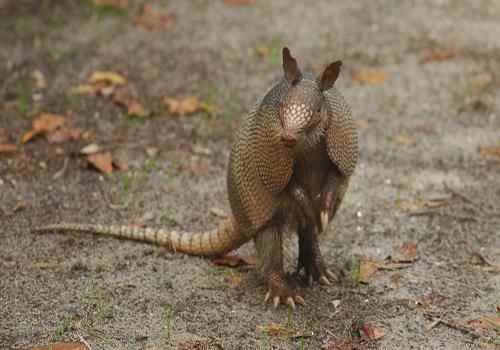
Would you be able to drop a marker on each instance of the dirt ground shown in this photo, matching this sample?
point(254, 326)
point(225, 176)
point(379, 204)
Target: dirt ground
point(423, 80)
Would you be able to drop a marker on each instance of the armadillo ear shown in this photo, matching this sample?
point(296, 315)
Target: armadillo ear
point(290, 67)
point(330, 75)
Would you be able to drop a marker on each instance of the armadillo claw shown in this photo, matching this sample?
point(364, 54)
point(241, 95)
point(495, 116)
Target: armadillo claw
point(268, 295)
point(276, 302)
point(324, 219)
point(299, 300)
point(330, 275)
point(290, 302)
point(323, 280)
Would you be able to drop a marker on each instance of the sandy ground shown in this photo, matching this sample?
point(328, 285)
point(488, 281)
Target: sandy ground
point(433, 105)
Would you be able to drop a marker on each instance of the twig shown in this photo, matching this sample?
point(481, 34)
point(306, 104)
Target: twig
point(86, 343)
point(433, 212)
point(61, 172)
point(458, 194)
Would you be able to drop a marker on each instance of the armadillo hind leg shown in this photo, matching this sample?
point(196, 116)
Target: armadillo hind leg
point(310, 259)
point(268, 244)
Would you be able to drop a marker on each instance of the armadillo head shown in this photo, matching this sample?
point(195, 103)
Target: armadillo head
point(302, 110)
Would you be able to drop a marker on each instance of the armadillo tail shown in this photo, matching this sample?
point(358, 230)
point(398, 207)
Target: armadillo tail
point(209, 243)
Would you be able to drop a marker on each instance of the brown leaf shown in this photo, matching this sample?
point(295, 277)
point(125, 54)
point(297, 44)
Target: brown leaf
point(85, 89)
point(373, 77)
point(3, 136)
point(263, 51)
point(44, 123)
point(235, 280)
point(8, 148)
point(232, 261)
point(120, 4)
point(108, 77)
point(102, 162)
point(406, 253)
point(63, 135)
point(239, 2)
point(371, 332)
point(490, 151)
point(492, 321)
point(278, 330)
point(134, 108)
point(61, 346)
point(367, 269)
point(182, 106)
point(153, 19)
point(439, 56)
point(404, 139)
point(39, 78)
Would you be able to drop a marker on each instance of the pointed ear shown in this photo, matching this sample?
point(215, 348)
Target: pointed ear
point(329, 76)
point(290, 67)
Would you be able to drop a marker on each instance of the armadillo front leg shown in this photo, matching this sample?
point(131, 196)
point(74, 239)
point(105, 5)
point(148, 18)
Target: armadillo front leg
point(310, 258)
point(268, 244)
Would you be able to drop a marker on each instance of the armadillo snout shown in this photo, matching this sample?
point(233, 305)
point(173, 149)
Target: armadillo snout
point(289, 138)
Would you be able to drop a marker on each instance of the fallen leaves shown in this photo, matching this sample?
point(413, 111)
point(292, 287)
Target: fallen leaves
point(402, 257)
point(239, 2)
point(39, 79)
point(112, 85)
point(154, 19)
point(235, 260)
point(101, 161)
point(369, 76)
point(61, 346)
point(483, 263)
point(53, 126)
point(493, 151)
point(367, 268)
point(407, 253)
point(369, 331)
point(439, 55)
point(182, 105)
point(119, 4)
point(134, 108)
point(404, 139)
point(5, 146)
point(414, 205)
point(107, 77)
point(279, 330)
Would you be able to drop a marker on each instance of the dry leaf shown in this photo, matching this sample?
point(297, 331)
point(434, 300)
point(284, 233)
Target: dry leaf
point(490, 151)
point(374, 77)
point(3, 135)
point(371, 332)
point(367, 269)
point(182, 106)
point(7, 148)
point(403, 139)
point(233, 261)
point(263, 51)
point(134, 108)
point(108, 77)
point(85, 89)
point(102, 162)
point(90, 149)
point(439, 56)
point(235, 280)
point(153, 19)
point(239, 2)
point(406, 253)
point(63, 135)
point(218, 212)
point(361, 123)
point(61, 346)
point(39, 78)
point(492, 321)
point(44, 123)
point(278, 330)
